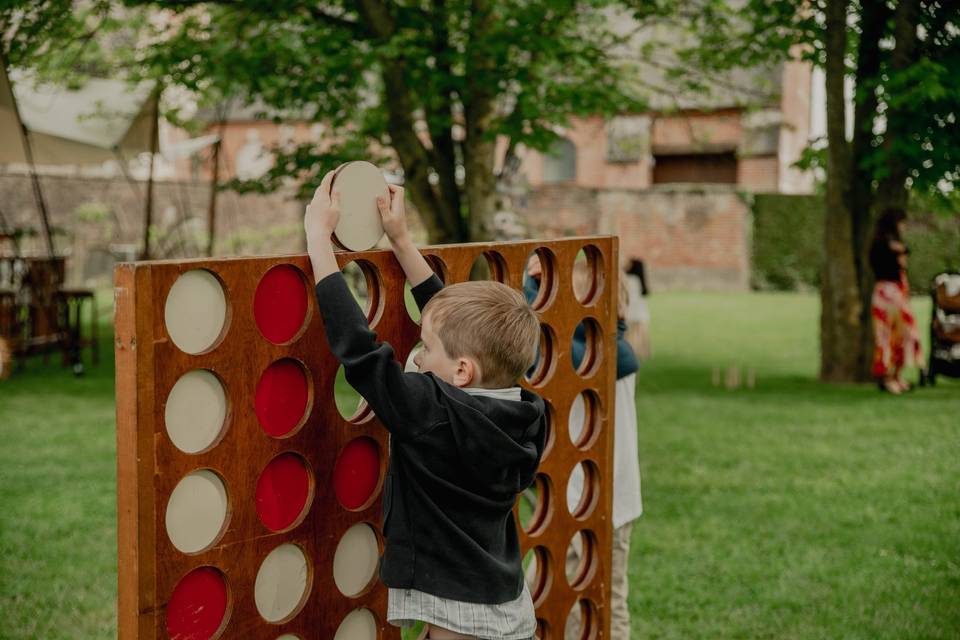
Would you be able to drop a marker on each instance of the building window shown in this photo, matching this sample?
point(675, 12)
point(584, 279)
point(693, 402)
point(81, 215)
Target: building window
point(715, 168)
point(560, 162)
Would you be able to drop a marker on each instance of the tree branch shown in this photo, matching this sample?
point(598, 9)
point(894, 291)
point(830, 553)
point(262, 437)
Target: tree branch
point(359, 31)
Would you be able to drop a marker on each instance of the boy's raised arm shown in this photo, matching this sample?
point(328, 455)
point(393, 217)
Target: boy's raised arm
point(401, 401)
point(394, 218)
point(319, 221)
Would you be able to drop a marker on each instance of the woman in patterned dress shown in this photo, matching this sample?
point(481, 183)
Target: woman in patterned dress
point(896, 339)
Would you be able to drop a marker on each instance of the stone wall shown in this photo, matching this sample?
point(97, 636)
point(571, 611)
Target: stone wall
point(691, 237)
point(100, 221)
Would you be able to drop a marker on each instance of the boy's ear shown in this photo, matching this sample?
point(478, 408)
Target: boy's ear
point(467, 373)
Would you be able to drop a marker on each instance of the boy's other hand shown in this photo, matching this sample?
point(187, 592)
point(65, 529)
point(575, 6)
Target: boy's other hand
point(394, 215)
point(323, 212)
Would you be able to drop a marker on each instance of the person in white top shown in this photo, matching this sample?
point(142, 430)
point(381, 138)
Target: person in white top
point(627, 502)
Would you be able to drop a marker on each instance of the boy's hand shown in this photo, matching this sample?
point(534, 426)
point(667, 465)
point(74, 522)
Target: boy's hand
point(323, 213)
point(394, 216)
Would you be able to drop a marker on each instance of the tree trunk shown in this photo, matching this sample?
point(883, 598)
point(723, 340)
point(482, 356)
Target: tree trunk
point(440, 216)
point(873, 19)
point(892, 190)
point(480, 185)
point(148, 213)
point(840, 329)
point(479, 148)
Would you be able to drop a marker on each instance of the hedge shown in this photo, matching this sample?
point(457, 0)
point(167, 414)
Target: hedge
point(788, 243)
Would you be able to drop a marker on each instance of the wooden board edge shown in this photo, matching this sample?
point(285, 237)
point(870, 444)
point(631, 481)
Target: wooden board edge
point(128, 556)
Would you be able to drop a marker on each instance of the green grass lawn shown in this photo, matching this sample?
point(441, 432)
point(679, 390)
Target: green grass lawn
point(792, 510)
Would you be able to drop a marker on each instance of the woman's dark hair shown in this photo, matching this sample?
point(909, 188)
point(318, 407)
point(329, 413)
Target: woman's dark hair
point(636, 269)
point(886, 226)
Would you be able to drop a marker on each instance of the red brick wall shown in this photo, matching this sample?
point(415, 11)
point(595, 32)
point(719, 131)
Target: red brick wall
point(690, 237)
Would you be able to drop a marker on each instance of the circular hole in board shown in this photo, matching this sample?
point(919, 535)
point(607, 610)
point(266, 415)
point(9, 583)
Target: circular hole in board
point(410, 366)
point(543, 630)
point(583, 419)
point(355, 560)
point(545, 364)
point(356, 473)
point(582, 621)
point(196, 411)
point(359, 185)
point(549, 420)
point(363, 280)
point(195, 312)
point(540, 278)
point(586, 349)
point(583, 489)
point(289, 636)
point(280, 303)
point(282, 397)
point(282, 583)
point(588, 276)
point(350, 404)
point(440, 269)
point(360, 624)
point(197, 609)
point(580, 565)
point(197, 511)
point(534, 504)
point(489, 265)
point(536, 571)
point(284, 490)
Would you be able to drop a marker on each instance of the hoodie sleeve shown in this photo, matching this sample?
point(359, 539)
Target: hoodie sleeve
point(423, 292)
point(405, 403)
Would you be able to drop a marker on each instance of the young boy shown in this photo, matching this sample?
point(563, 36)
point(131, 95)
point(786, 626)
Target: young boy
point(464, 438)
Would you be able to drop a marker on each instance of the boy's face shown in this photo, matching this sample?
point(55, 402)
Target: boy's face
point(433, 358)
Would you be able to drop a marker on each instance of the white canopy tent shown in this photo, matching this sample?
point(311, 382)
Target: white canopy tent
point(72, 127)
point(103, 120)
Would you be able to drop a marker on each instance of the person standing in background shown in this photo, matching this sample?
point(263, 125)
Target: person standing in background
point(638, 312)
point(896, 338)
point(627, 500)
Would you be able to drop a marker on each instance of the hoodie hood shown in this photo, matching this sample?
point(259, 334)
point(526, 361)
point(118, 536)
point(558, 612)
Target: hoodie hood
point(499, 441)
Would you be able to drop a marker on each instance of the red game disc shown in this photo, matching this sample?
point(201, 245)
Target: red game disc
point(356, 473)
point(281, 397)
point(197, 606)
point(282, 491)
point(280, 303)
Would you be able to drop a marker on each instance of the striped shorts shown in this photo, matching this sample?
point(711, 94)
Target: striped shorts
point(514, 620)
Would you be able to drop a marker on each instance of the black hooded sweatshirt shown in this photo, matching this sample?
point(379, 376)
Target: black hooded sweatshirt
point(457, 463)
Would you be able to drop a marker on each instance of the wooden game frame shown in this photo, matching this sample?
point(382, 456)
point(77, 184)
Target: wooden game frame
point(149, 465)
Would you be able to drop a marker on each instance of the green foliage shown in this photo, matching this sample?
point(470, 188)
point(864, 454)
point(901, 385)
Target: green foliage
point(424, 79)
point(924, 97)
point(788, 242)
point(92, 212)
point(934, 248)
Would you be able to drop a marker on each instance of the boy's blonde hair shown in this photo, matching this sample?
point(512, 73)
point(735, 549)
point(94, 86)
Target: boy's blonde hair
point(489, 322)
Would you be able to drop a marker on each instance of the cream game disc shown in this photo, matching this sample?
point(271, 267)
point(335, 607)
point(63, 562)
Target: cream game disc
point(360, 184)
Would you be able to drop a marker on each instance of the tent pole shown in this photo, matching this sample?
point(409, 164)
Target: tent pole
point(38, 192)
point(34, 178)
point(154, 143)
point(212, 207)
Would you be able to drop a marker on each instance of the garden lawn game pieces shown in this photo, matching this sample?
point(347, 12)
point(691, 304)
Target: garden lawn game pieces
point(359, 185)
point(249, 508)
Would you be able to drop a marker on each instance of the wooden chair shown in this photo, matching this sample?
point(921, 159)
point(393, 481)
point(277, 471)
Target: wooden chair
point(71, 303)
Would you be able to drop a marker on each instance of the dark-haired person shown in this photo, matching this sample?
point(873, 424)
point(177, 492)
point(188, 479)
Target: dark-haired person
point(896, 339)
